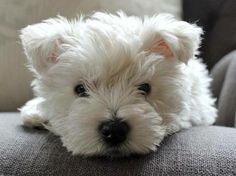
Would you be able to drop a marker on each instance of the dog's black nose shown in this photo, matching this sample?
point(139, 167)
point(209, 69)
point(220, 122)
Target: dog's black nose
point(114, 132)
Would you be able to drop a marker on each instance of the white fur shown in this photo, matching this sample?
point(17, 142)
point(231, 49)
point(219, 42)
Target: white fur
point(112, 55)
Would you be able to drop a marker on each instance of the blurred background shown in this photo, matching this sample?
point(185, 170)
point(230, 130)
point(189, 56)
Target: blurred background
point(217, 17)
point(15, 14)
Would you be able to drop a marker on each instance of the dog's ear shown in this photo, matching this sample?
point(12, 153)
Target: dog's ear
point(44, 42)
point(171, 38)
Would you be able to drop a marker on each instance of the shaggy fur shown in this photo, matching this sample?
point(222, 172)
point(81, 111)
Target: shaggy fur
point(112, 55)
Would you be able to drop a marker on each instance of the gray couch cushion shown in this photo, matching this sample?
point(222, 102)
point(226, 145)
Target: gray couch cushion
point(224, 88)
point(198, 151)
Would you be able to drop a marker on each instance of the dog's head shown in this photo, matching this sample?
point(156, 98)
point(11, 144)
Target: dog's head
point(109, 80)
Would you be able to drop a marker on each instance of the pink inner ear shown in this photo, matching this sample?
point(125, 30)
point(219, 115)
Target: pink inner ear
point(162, 47)
point(53, 58)
point(54, 55)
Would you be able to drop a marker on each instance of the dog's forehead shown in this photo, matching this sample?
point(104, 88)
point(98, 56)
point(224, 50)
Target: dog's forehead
point(107, 52)
point(102, 49)
point(106, 65)
point(121, 72)
point(110, 39)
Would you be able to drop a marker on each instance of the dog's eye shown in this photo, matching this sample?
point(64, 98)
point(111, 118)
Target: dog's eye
point(145, 88)
point(81, 91)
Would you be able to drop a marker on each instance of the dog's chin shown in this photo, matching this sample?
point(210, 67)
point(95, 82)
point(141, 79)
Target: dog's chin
point(115, 153)
point(118, 152)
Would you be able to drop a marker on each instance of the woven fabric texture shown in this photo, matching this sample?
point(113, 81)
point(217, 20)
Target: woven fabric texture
point(197, 151)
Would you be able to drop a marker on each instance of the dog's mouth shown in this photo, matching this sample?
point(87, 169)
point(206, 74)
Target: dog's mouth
point(114, 152)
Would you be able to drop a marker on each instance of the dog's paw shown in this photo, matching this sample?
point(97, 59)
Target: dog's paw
point(34, 120)
point(31, 115)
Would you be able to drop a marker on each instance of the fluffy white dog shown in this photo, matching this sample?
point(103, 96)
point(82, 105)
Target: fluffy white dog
point(114, 84)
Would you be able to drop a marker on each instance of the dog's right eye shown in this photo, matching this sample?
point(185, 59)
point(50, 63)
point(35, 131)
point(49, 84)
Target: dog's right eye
point(145, 88)
point(81, 91)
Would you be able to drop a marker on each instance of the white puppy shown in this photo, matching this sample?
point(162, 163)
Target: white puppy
point(114, 84)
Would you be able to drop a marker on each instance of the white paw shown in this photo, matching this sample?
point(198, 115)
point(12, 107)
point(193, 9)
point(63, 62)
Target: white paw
point(34, 120)
point(31, 115)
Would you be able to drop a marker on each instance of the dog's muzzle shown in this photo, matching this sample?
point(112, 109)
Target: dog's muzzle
point(114, 132)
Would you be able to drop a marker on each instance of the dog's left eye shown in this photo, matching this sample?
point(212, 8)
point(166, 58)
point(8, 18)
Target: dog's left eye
point(81, 91)
point(145, 88)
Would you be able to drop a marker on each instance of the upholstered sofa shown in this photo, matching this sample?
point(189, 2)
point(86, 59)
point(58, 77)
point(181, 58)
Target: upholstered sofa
point(197, 151)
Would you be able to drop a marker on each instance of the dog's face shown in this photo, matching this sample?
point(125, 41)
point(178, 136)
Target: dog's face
point(108, 80)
